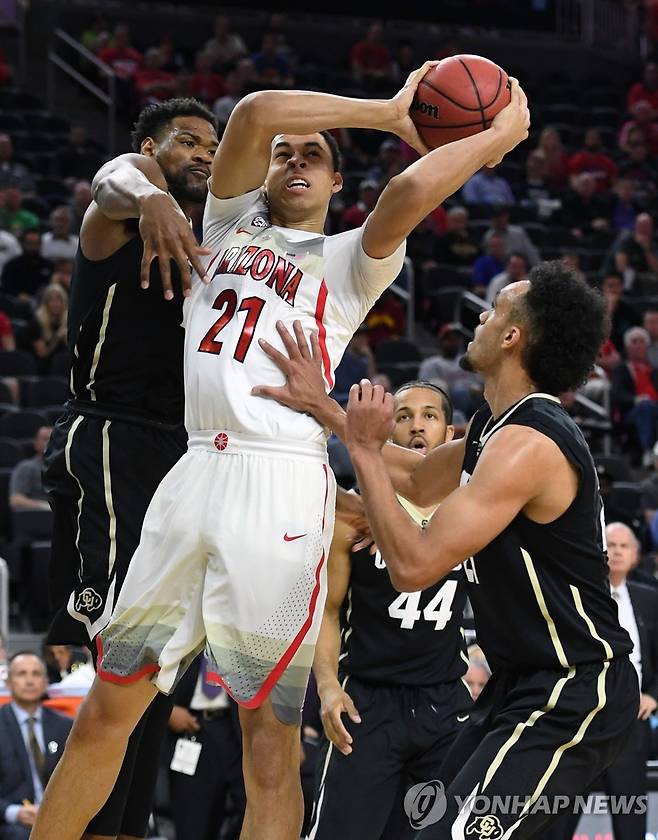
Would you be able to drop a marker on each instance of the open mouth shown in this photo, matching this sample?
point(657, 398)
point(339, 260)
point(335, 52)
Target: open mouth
point(297, 185)
point(419, 445)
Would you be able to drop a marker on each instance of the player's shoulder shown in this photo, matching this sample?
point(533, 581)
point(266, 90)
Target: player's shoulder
point(345, 238)
point(250, 208)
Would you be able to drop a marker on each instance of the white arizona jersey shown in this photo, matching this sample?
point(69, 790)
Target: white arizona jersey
point(262, 274)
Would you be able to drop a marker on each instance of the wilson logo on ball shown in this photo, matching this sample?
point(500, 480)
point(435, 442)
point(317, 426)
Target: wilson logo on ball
point(425, 108)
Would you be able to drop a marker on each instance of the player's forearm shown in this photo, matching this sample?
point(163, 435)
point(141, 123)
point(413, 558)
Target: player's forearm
point(414, 193)
point(400, 462)
point(120, 187)
point(400, 541)
point(327, 651)
point(305, 112)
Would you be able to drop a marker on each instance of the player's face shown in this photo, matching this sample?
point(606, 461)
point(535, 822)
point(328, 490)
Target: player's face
point(27, 679)
point(622, 549)
point(476, 679)
point(420, 423)
point(301, 178)
point(185, 153)
point(496, 331)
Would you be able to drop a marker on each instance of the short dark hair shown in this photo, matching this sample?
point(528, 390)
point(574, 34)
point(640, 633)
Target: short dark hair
point(446, 401)
point(25, 653)
point(155, 117)
point(567, 325)
point(334, 148)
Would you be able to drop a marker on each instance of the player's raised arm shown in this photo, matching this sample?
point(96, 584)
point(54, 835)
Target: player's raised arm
point(133, 186)
point(410, 196)
point(243, 157)
point(537, 479)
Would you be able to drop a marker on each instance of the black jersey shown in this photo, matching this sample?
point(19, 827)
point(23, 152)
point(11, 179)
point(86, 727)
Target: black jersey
point(126, 342)
point(402, 638)
point(540, 593)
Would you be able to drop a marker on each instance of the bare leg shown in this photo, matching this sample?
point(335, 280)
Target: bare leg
point(84, 777)
point(271, 753)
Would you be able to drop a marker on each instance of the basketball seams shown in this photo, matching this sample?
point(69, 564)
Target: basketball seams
point(449, 98)
point(477, 92)
point(497, 94)
point(450, 125)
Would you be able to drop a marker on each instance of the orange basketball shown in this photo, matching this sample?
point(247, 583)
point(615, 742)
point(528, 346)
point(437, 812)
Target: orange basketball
point(458, 98)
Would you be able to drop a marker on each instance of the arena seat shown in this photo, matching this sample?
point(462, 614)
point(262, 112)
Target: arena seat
point(21, 424)
point(397, 351)
point(61, 365)
point(400, 372)
point(616, 466)
point(10, 452)
point(33, 524)
point(17, 363)
point(43, 391)
point(35, 582)
point(5, 513)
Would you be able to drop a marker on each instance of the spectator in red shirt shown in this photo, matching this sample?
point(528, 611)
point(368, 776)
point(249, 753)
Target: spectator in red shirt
point(152, 83)
point(594, 160)
point(635, 389)
point(124, 59)
point(354, 216)
point(5, 69)
point(204, 83)
point(555, 156)
point(647, 89)
point(386, 320)
point(371, 58)
point(643, 120)
point(7, 341)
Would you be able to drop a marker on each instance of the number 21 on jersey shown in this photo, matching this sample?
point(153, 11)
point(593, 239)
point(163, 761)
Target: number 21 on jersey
point(405, 607)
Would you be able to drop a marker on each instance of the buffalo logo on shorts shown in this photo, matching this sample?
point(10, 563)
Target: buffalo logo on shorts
point(88, 600)
point(259, 222)
point(487, 827)
point(221, 441)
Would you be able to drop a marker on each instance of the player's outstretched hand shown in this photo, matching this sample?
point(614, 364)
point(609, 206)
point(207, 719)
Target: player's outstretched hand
point(403, 125)
point(304, 388)
point(512, 123)
point(334, 703)
point(369, 420)
point(168, 236)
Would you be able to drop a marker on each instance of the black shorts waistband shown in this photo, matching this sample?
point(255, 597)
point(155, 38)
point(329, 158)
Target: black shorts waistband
point(211, 714)
point(103, 411)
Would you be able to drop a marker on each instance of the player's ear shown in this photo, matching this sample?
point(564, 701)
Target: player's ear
point(512, 336)
point(148, 147)
point(338, 183)
point(450, 433)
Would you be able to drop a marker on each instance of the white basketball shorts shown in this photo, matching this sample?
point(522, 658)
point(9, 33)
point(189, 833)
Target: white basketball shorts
point(231, 558)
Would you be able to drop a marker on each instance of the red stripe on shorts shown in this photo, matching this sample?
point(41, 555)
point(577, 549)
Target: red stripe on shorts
point(272, 678)
point(322, 332)
point(108, 676)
